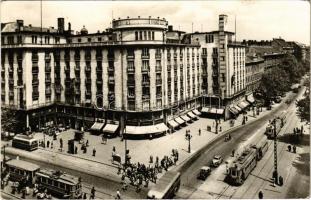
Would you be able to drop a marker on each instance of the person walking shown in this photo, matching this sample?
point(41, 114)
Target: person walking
point(94, 152)
point(76, 150)
point(48, 144)
point(233, 151)
point(93, 192)
point(260, 195)
point(199, 132)
point(61, 144)
point(294, 149)
point(118, 195)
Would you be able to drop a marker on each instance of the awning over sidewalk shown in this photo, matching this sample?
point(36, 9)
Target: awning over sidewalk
point(218, 111)
point(97, 126)
point(110, 128)
point(172, 123)
point(243, 104)
point(142, 130)
point(205, 110)
point(233, 110)
point(250, 98)
point(186, 118)
point(191, 115)
point(179, 120)
point(195, 111)
point(237, 108)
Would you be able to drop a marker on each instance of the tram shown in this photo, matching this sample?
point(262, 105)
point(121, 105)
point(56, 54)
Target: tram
point(25, 142)
point(19, 170)
point(241, 167)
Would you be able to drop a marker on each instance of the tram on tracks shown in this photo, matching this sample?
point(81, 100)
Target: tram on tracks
point(276, 125)
point(241, 167)
point(57, 183)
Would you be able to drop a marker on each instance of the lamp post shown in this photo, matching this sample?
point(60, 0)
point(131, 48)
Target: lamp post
point(275, 172)
point(188, 137)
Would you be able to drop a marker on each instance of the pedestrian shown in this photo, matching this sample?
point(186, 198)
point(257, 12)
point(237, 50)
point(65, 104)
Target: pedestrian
point(52, 145)
point(233, 153)
point(87, 143)
point(84, 196)
point(61, 144)
point(113, 149)
point(260, 195)
point(48, 144)
point(294, 149)
point(199, 132)
point(220, 129)
point(301, 130)
point(94, 152)
point(93, 192)
point(151, 159)
point(118, 195)
point(294, 131)
point(76, 150)
point(289, 148)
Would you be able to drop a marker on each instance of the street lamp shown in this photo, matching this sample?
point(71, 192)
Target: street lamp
point(188, 137)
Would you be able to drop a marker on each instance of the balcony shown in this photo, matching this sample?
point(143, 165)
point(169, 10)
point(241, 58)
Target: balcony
point(111, 80)
point(67, 68)
point(87, 68)
point(159, 96)
point(110, 58)
point(145, 56)
point(57, 90)
point(88, 57)
point(77, 57)
point(47, 68)
point(11, 81)
point(48, 80)
point(88, 93)
point(146, 96)
point(145, 82)
point(175, 67)
point(99, 69)
point(131, 96)
point(35, 94)
point(20, 82)
point(175, 79)
point(57, 80)
point(130, 57)
point(158, 81)
point(215, 55)
point(19, 57)
point(88, 81)
point(77, 80)
point(204, 73)
point(34, 58)
point(77, 68)
point(193, 54)
point(158, 56)
point(35, 81)
point(110, 69)
point(19, 69)
point(99, 57)
point(169, 79)
point(48, 91)
point(99, 81)
point(215, 74)
point(145, 69)
point(131, 82)
point(99, 92)
point(158, 69)
point(130, 70)
point(204, 55)
point(77, 92)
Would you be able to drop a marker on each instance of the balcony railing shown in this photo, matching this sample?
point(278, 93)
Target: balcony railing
point(159, 96)
point(175, 55)
point(130, 70)
point(110, 69)
point(215, 55)
point(77, 92)
point(11, 82)
point(48, 91)
point(158, 81)
point(35, 69)
point(47, 79)
point(35, 81)
point(87, 93)
point(146, 96)
point(158, 56)
point(130, 96)
point(145, 69)
point(77, 68)
point(88, 57)
point(99, 81)
point(99, 69)
point(145, 56)
point(145, 82)
point(88, 81)
point(131, 82)
point(130, 57)
point(87, 68)
point(111, 80)
point(158, 69)
point(34, 57)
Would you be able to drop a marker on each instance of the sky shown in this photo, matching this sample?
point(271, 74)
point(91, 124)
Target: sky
point(255, 19)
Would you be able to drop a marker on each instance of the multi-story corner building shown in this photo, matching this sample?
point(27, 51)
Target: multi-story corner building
point(223, 71)
point(137, 72)
point(255, 68)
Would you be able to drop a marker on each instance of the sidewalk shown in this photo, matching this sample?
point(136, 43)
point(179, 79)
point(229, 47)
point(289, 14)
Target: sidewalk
point(140, 150)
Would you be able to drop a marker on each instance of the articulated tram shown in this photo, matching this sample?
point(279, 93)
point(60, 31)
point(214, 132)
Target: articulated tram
point(245, 163)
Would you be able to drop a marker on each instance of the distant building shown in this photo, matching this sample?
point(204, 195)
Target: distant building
point(255, 67)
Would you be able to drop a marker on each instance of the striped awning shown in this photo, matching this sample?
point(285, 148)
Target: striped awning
point(243, 104)
point(191, 115)
point(179, 120)
point(142, 130)
point(172, 123)
point(233, 110)
point(97, 126)
point(186, 118)
point(250, 98)
point(110, 128)
point(195, 111)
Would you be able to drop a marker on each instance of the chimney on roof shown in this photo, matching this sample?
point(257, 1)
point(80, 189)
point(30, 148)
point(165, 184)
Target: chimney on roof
point(69, 26)
point(61, 24)
point(170, 28)
point(20, 23)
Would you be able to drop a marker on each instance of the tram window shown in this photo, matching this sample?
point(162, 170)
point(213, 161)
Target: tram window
point(56, 184)
point(233, 172)
point(49, 181)
point(43, 179)
point(62, 185)
point(74, 188)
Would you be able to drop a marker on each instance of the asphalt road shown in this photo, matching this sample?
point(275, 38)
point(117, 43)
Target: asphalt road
point(189, 182)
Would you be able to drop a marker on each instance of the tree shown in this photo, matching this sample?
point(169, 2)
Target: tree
point(293, 68)
point(274, 83)
point(12, 121)
point(303, 108)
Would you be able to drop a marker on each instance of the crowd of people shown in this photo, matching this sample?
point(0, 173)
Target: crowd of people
point(139, 174)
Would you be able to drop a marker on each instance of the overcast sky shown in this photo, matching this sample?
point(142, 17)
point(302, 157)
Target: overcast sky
point(254, 19)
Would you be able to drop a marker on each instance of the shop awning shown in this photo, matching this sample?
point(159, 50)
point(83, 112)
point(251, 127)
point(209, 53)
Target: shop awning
point(172, 123)
point(179, 120)
point(243, 104)
point(219, 111)
point(233, 110)
point(237, 108)
point(195, 111)
point(204, 110)
point(250, 98)
point(191, 115)
point(110, 128)
point(185, 118)
point(97, 126)
point(142, 130)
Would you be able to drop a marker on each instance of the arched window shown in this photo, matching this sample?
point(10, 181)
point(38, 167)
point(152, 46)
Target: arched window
point(136, 35)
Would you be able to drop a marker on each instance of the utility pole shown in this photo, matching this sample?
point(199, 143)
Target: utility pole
point(275, 173)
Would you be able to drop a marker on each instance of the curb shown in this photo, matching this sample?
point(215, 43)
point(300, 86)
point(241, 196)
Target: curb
point(109, 165)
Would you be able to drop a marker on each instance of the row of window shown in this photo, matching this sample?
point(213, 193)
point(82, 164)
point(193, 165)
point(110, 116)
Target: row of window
point(144, 35)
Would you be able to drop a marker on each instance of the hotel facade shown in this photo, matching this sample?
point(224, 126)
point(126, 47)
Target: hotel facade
point(140, 75)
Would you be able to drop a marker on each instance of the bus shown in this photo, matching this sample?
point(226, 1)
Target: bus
point(25, 142)
point(19, 170)
point(242, 167)
point(166, 187)
point(60, 184)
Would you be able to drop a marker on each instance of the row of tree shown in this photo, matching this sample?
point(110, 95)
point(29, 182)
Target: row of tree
point(279, 80)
